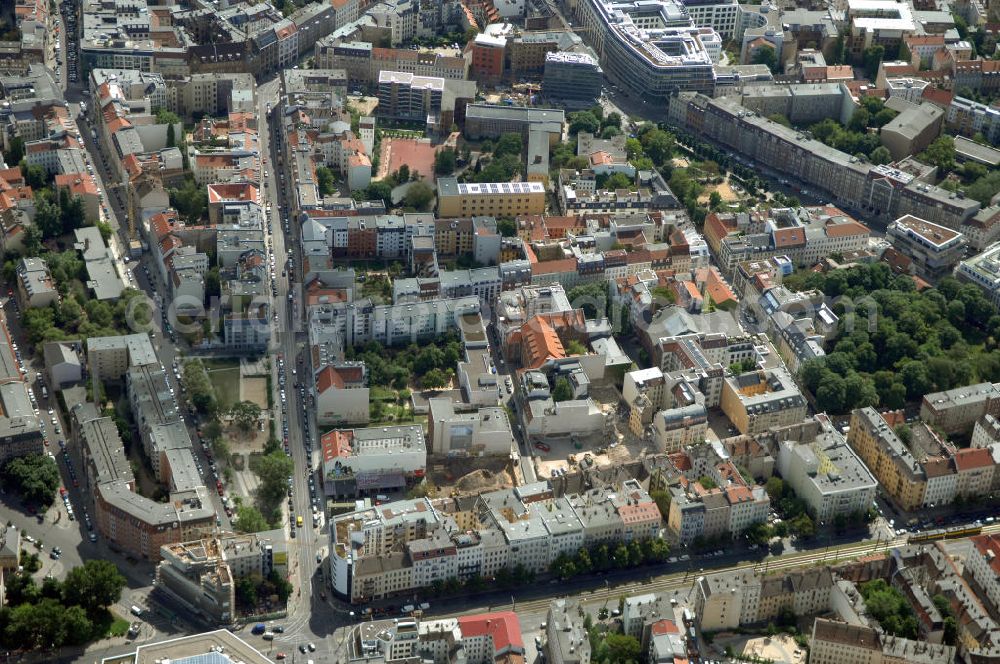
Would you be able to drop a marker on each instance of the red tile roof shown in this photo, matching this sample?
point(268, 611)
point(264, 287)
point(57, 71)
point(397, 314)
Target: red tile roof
point(338, 377)
point(661, 627)
point(336, 444)
point(973, 457)
point(503, 628)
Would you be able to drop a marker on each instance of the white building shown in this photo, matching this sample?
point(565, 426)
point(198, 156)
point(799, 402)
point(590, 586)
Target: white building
point(485, 431)
point(827, 475)
point(374, 458)
point(342, 394)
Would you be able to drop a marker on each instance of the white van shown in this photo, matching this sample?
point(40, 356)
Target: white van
point(136, 611)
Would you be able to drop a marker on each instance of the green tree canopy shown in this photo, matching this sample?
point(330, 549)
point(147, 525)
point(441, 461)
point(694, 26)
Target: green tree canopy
point(765, 55)
point(34, 476)
point(562, 391)
point(419, 196)
point(444, 161)
point(250, 520)
point(95, 586)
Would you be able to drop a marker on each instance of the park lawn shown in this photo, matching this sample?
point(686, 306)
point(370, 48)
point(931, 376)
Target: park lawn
point(223, 363)
point(379, 393)
point(226, 383)
point(119, 627)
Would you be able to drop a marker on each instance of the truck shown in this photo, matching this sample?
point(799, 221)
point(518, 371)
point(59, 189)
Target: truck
point(259, 628)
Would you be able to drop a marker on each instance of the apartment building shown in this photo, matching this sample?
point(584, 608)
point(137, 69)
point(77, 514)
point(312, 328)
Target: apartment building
point(758, 401)
point(968, 118)
point(484, 638)
point(20, 428)
point(340, 392)
point(361, 321)
point(128, 520)
point(804, 235)
point(102, 276)
point(934, 250)
point(835, 642)
point(956, 411)
point(35, 287)
point(567, 640)
point(202, 574)
point(362, 461)
point(888, 459)
point(408, 97)
point(699, 511)
point(882, 191)
point(828, 475)
point(498, 199)
point(983, 566)
point(527, 526)
point(983, 270)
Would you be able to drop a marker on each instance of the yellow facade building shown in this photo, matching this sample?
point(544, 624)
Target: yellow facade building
point(494, 199)
point(889, 460)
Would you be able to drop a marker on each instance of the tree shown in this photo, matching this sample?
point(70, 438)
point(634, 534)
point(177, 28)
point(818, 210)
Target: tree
point(273, 470)
point(48, 218)
point(171, 136)
point(707, 483)
point(940, 153)
point(715, 200)
point(245, 414)
point(78, 627)
point(190, 200)
point(324, 180)
point(444, 162)
point(617, 181)
point(95, 586)
point(562, 390)
point(213, 284)
point(592, 298)
point(15, 151)
point(583, 121)
point(36, 176)
point(507, 227)
point(619, 649)
point(765, 55)
point(859, 120)
point(803, 526)
point(379, 191)
point(775, 488)
point(662, 500)
point(32, 241)
point(419, 196)
point(880, 155)
point(659, 145)
point(433, 379)
point(872, 58)
point(246, 589)
point(199, 388)
point(883, 117)
point(509, 144)
point(250, 520)
point(403, 174)
point(34, 476)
